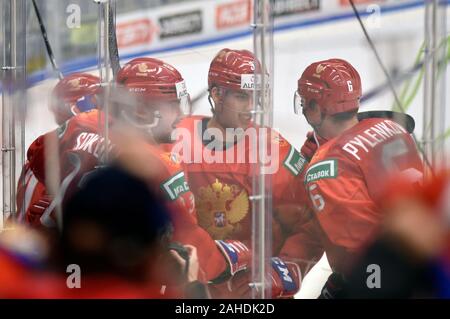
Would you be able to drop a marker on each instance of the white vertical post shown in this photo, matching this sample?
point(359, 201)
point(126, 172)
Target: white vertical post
point(104, 67)
point(261, 186)
point(13, 101)
point(434, 82)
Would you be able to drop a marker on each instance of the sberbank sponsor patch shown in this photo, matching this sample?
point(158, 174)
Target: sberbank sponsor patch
point(175, 186)
point(294, 162)
point(320, 170)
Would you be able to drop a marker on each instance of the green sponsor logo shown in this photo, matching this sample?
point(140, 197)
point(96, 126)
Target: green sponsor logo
point(294, 162)
point(175, 186)
point(320, 170)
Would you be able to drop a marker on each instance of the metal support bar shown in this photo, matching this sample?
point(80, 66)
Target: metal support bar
point(261, 199)
point(13, 101)
point(434, 82)
point(104, 66)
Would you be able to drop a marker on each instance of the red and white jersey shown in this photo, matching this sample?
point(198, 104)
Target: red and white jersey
point(81, 148)
point(346, 177)
point(221, 180)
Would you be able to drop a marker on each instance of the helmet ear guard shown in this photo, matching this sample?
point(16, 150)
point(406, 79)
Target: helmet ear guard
point(74, 94)
point(184, 98)
point(299, 103)
point(185, 105)
point(86, 103)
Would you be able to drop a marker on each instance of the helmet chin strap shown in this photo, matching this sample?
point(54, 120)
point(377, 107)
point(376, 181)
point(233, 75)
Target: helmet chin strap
point(210, 101)
point(316, 139)
point(146, 127)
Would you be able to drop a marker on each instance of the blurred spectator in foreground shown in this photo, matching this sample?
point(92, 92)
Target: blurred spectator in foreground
point(411, 258)
point(118, 234)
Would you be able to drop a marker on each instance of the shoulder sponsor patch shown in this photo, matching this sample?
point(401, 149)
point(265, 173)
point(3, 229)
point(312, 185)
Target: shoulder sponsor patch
point(321, 170)
point(294, 161)
point(175, 186)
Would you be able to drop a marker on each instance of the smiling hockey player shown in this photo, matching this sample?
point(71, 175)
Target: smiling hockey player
point(220, 166)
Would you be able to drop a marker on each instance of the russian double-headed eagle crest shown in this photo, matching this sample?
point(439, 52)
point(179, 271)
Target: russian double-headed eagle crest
point(171, 158)
point(74, 84)
point(142, 67)
point(220, 208)
point(319, 69)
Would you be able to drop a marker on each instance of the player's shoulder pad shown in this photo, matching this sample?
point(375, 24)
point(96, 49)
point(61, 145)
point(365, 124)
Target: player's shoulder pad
point(88, 118)
point(406, 120)
point(278, 139)
point(174, 181)
point(294, 161)
point(367, 134)
point(171, 160)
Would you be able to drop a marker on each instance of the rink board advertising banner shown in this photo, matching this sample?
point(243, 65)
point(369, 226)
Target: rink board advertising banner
point(288, 7)
point(233, 14)
point(189, 24)
point(180, 24)
point(183, 23)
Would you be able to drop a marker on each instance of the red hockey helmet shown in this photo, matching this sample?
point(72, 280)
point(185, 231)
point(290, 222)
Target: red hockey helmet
point(74, 94)
point(154, 80)
point(333, 84)
point(234, 69)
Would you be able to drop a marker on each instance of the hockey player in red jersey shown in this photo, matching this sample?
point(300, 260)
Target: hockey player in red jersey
point(151, 98)
point(220, 167)
point(72, 95)
point(162, 101)
point(354, 160)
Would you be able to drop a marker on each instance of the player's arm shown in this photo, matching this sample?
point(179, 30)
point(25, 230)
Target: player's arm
point(25, 186)
point(36, 157)
point(32, 198)
point(40, 147)
point(304, 244)
point(290, 166)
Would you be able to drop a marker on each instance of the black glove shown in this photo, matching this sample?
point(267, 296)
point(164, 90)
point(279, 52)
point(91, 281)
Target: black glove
point(333, 288)
point(182, 251)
